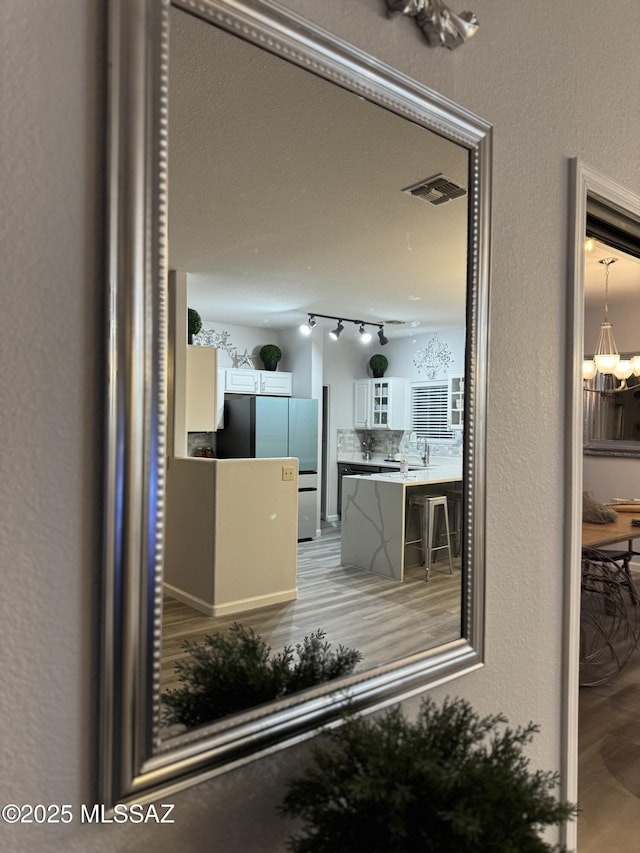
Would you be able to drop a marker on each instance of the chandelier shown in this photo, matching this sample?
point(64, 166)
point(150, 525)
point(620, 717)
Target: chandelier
point(606, 360)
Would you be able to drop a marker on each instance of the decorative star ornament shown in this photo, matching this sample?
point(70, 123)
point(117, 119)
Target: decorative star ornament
point(244, 360)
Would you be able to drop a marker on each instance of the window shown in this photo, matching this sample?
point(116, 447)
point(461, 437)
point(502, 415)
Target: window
point(429, 411)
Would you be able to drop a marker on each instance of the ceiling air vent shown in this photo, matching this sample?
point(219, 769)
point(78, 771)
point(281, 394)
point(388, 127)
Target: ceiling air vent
point(436, 190)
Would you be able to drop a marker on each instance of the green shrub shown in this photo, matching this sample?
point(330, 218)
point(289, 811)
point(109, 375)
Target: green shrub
point(270, 352)
point(448, 782)
point(378, 362)
point(194, 321)
point(231, 672)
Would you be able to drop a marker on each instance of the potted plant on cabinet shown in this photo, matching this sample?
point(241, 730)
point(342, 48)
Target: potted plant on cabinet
point(450, 781)
point(194, 323)
point(378, 364)
point(270, 355)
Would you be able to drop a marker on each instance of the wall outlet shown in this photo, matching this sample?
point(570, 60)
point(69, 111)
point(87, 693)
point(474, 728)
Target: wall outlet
point(288, 472)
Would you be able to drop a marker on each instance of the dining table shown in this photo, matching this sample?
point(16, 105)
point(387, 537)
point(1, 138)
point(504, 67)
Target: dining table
point(611, 532)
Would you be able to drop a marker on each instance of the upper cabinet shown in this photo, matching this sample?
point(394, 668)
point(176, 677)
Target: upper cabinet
point(381, 404)
point(455, 402)
point(244, 381)
point(361, 404)
point(201, 393)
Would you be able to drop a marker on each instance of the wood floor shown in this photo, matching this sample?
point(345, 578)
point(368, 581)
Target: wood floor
point(609, 763)
point(386, 620)
point(383, 619)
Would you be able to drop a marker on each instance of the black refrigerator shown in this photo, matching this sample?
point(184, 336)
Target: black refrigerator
point(265, 427)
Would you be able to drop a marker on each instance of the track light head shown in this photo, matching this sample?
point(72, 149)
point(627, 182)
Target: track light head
point(365, 336)
point(335, 334)
point(307, 328)
point(381, 336)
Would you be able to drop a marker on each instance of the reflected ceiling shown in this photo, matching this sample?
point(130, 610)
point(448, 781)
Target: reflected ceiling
point(624, 276)
point(293, 238)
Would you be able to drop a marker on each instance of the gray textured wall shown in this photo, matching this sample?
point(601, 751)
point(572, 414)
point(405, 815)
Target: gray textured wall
point(557, 81)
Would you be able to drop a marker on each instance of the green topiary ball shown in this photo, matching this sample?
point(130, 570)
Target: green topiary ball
point(194, 321)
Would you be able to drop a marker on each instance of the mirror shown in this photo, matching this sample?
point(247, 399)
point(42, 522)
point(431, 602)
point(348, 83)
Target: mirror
point(306, 214)
point(611, 405)
point(222, 243)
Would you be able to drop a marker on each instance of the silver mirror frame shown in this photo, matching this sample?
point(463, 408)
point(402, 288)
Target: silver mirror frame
point(135, 763)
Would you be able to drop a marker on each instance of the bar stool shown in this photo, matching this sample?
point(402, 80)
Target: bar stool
point(427, 506)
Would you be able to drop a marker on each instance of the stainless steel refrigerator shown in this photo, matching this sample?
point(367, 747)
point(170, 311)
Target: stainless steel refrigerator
point(267, 427)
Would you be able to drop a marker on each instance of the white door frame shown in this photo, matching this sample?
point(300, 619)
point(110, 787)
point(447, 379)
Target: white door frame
point(585, 182)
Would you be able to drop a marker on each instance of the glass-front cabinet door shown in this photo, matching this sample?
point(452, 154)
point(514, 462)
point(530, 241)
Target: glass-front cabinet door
point(455, 402)
point(380, 404)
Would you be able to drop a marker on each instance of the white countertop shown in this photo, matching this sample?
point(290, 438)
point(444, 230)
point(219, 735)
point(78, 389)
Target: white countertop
point(377, 461)
point(439, 472)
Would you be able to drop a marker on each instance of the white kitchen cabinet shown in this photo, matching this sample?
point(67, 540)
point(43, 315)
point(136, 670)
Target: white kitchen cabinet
point(381, 404)
point(201, 395)
point(241, 381)
point(361, 405)
point(274, 382)
point(238, 381)
point(455, 402)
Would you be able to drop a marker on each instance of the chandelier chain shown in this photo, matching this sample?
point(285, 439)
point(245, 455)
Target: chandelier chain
point(607, 263)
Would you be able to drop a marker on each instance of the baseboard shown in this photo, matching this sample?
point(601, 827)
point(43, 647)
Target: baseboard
point(190, 600)
point(241, 605)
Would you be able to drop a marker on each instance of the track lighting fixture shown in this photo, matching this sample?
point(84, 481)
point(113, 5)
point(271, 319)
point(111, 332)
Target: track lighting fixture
point(335, 334)
point(365, 336)
point(307, 328)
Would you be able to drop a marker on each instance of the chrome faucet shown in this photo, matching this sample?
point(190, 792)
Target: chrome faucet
point(425, 453)
point(367, 446)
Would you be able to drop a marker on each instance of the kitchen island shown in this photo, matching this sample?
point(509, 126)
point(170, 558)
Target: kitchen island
point(373, 515)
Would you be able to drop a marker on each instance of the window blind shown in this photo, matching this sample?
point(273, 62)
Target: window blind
point(429, 411)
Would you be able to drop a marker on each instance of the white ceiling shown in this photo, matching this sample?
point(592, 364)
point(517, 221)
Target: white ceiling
point(285, 195)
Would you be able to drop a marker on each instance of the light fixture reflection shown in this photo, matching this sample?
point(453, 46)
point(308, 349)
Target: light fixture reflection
point(365, 336)
point(307, 328)
point(335, 333)
point(606, 360)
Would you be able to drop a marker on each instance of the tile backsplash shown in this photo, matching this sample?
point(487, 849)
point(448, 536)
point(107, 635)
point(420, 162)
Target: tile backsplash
point(387, 443)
